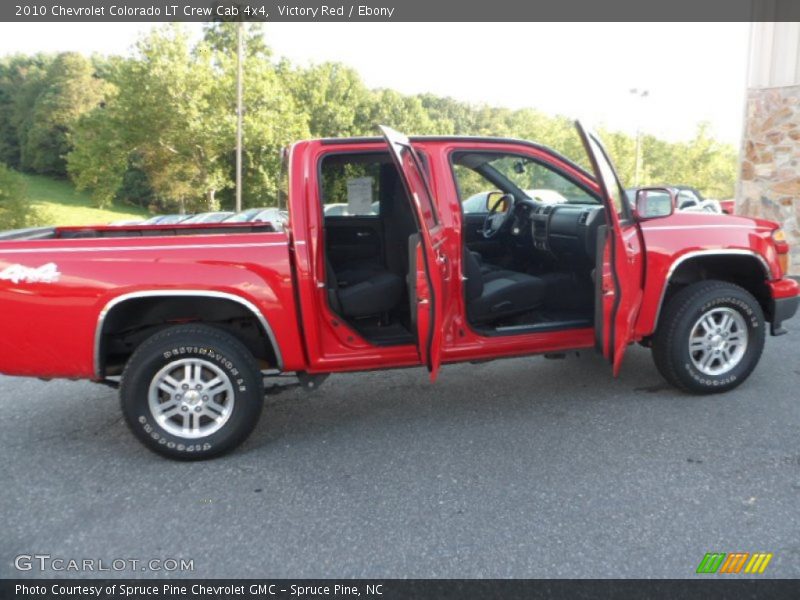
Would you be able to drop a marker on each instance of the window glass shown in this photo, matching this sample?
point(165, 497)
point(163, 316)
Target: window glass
point(350, 184)
point(478, 173)
point(607, 176)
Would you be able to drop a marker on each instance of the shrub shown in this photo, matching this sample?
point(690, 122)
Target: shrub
point(15, 210)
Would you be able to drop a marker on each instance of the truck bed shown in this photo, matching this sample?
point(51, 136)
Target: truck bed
point(107, 231)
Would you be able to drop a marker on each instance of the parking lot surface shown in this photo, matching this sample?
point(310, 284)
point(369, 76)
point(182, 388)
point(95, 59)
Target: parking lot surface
point(517, 468)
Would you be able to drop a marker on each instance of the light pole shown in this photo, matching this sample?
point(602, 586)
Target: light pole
point(239, 52)
point(637, 169)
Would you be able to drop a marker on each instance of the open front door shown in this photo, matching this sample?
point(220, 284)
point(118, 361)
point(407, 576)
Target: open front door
point(428, 263)
point(619, 272)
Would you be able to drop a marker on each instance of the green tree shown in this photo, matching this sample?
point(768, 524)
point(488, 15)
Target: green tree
point(162, 113)
point(99, 159)
point(334, 99)
point(15, 210)
point(406, 113)
point(68, 91)
point(272, 116)
point(22, 79)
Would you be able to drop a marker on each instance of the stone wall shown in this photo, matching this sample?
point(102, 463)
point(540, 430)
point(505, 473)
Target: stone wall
point(769, 185)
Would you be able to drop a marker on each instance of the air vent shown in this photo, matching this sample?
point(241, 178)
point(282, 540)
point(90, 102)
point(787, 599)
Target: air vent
point(583, 218)
point(547, 209)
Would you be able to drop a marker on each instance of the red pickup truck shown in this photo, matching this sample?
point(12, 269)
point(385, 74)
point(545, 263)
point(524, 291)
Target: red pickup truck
point(398, 253)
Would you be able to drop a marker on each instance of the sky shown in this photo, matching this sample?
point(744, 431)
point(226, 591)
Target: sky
point(692, 72)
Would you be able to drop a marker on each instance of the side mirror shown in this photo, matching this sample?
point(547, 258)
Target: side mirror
point(497, 201)
point(654, 203)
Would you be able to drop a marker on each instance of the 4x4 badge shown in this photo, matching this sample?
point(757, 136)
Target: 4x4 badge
point(47, 273)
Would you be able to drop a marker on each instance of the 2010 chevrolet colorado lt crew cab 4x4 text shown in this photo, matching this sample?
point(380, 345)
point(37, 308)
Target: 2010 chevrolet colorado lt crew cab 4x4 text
point(398, 253)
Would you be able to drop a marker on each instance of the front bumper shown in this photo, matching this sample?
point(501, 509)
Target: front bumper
point(782, 309)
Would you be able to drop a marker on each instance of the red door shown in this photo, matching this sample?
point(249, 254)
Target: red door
point(428, 263)
point(619, 273)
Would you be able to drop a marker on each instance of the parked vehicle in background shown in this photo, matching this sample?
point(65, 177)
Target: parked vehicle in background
point(342, 209)
point(245, 216)
point(189, 321)
point(276, 217)
point(165, 219)
point(207, 217)
point(688, 199)
point(126, 222)
point(691, 199)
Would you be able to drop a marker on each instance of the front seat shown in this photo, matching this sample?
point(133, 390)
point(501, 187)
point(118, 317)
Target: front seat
point(499, 293)
point(484, 266)
point(364, 291)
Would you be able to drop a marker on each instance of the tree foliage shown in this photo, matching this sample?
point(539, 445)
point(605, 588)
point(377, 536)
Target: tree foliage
point(15, 213)
point(158, 127)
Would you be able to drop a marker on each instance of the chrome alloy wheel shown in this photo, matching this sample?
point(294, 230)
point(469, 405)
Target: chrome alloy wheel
point(718, 341)
point(191, 398)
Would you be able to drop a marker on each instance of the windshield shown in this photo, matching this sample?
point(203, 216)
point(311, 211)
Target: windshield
point(478, 173)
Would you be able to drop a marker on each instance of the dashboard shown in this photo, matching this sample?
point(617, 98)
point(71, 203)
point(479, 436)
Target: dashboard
point(566, 231)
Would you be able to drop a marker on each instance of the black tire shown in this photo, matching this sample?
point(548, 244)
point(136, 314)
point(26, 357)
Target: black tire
point(217, 356)
point(671, 352)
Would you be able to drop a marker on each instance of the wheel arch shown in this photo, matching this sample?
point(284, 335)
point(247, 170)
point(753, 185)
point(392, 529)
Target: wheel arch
point(221, 304)
point(745, 268)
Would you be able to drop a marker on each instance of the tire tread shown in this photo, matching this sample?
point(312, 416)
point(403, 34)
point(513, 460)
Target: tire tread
point(670, 321)
point(189, 331)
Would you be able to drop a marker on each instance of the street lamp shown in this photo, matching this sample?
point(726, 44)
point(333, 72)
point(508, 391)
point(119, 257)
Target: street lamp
point(239, 64)
point(637, 170)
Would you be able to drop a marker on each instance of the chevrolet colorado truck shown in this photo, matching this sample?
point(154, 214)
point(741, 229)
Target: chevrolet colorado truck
point(190, 321)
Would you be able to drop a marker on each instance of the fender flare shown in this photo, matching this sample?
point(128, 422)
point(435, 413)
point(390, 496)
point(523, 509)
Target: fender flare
point(697, 253)
point(182, 293)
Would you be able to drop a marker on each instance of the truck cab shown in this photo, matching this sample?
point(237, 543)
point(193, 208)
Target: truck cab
point(458, 249)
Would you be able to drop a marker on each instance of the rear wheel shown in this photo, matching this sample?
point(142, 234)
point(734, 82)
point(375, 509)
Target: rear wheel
point(192, 392)
point(709, 338)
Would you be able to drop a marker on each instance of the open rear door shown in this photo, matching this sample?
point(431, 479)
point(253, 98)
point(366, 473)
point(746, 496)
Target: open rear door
point(428, 264)
point(619, 272)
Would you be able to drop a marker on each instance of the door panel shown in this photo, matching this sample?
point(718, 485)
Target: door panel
point(431, 265)
point(619, 274)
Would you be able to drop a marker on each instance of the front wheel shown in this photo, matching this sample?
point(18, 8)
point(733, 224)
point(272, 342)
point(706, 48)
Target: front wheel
point(192, 392)
point(709, 338)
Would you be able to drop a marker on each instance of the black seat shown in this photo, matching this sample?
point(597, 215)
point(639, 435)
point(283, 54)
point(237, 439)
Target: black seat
point(363, 290)
point(499, 293)
point(485, 266)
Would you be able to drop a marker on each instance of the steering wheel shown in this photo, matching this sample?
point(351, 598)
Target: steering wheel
point(495, 220)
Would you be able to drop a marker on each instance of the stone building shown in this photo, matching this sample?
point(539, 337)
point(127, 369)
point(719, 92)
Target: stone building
point(769, 182)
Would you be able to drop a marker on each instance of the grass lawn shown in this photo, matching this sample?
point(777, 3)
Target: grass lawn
point(61, 204)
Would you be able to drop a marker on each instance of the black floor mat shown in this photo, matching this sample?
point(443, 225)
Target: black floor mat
point(393, 334)
point(542, 320)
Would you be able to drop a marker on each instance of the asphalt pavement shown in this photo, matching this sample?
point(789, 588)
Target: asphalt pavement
point(516, 468)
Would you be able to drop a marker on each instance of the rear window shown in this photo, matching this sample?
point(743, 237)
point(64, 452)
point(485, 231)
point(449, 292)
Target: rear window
point(351, 184)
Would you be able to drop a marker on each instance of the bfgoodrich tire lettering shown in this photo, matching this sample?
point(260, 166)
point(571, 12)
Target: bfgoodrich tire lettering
point(681, 324)
point(158, 392)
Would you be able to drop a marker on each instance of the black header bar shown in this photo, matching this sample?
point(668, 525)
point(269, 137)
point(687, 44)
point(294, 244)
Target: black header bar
point(399, 10)
point(703, 587)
